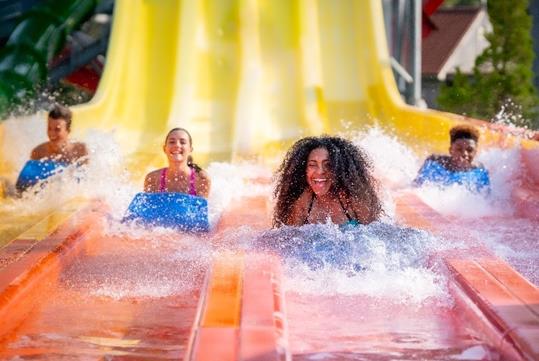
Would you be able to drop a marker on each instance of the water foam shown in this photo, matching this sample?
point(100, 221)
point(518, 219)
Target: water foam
point(379, 260)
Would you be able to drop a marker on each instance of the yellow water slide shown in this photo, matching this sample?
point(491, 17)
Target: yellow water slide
point(247, 77)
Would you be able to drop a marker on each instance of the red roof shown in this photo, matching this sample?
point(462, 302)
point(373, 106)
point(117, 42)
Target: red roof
point(441, 42)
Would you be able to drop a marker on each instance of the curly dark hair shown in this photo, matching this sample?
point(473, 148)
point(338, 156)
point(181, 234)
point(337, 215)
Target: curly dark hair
point(351, 168)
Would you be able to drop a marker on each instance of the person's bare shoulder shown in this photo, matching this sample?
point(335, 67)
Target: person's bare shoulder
point(151, 182)
point(39, 152)
point(362, 212)
point(300, 208)
point(80, 149)
point(203, 174)
point(78, 152)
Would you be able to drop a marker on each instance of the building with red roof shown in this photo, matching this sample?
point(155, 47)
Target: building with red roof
point(454, 39)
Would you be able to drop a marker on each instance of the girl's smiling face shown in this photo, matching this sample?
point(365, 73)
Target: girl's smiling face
point(177, 146)
point(319, 173)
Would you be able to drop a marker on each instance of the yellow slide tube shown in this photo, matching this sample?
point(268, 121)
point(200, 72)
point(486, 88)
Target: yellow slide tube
point(248, 77)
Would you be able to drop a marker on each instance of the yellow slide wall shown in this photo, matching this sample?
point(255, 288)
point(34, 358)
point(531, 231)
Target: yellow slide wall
point(248, 77)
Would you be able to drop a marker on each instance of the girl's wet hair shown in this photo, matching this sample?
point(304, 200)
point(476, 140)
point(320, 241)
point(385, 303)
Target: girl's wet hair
point(350, 166)
point(190, 162)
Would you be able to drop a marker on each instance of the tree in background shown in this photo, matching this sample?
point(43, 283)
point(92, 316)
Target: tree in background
point(502, 80)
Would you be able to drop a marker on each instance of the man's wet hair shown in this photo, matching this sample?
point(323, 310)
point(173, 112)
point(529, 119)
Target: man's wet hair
point(463, 132)
point(60, 112)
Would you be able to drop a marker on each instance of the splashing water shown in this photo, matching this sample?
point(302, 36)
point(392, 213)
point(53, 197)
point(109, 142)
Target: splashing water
point(457, 201)
point(230, 182)
point(105, 176)
point(392, 160)
point(510, 115)
point(379, 260)
point(489, 218)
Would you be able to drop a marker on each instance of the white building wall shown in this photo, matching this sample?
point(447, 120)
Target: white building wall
point(470, 46)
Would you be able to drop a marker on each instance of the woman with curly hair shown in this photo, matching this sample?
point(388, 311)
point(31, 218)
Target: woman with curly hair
point(325, 178)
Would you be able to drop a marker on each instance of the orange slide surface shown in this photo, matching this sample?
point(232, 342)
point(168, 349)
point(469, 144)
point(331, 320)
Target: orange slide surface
point(499, 301)
point(75, 285)
point(233, 307)
point(49, 308)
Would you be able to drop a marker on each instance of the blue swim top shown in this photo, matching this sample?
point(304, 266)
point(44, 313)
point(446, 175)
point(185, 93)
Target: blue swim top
point(434, 171)
point(350, 224)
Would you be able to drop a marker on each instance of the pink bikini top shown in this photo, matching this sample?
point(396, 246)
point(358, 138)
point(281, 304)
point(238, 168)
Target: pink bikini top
point(163, 181)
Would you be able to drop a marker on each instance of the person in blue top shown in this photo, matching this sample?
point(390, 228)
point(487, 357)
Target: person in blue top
point(457, 167)
point(325, 178)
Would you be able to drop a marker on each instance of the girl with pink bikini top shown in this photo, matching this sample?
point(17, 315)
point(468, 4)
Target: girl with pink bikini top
point(181, 175)
point(192, 175)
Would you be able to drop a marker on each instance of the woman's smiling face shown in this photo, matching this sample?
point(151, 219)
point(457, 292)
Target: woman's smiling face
point(319, 172)
point(177, 146)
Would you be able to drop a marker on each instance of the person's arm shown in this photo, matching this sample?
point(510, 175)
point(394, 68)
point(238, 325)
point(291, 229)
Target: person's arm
point(203, 184)
point(150, 182)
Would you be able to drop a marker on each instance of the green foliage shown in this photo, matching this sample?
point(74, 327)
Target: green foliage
point(502, 77)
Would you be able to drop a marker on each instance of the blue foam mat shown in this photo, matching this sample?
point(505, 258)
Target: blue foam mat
point(37, 170)
point(475, 179)
point(173, 210)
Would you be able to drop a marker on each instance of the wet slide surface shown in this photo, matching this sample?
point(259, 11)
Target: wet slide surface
point(407, 313)
point(123, 296)
point(368, 328)
point(133, 295)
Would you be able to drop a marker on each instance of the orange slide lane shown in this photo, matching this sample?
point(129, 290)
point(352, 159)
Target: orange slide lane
point(241, 314)
point(85, 293)
point(29, 265)
point(81, 291)
point(500, 301)
point(525, 195)
point(507, 300)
